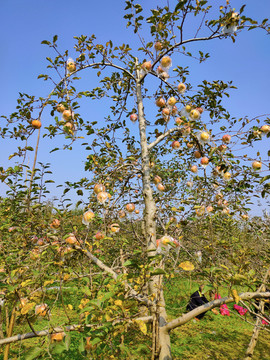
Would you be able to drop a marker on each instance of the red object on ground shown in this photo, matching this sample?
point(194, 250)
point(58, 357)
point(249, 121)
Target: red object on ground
point(242, 311)
point(224, 311)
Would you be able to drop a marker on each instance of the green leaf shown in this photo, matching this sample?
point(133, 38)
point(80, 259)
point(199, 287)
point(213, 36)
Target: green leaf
point(81, 347)
point(128, 263)
point(180, 5)
point(33, 353)
point(158, 272)
point(58, 348)
point(55, 149)
point(45, 42)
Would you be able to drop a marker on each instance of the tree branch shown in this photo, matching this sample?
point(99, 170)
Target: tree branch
point(179, 44)
point(134, 294)
point(210, 305)
point(161, 137)
point(69, 328)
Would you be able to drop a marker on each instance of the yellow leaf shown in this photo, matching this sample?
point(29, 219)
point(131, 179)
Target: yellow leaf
point(174, 208)
point(24, 283)
point(235, 296)
point(118, 303)
point(142, 326)
point(108, 317)
point(66, 277)
point(70, 307)
point(187, 266)
point(27, 307)
point(49, 282)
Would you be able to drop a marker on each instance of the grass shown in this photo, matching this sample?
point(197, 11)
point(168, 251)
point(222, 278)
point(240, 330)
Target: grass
point(214, 337)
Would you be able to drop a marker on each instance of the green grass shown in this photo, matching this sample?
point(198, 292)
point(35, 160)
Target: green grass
point(213, 337)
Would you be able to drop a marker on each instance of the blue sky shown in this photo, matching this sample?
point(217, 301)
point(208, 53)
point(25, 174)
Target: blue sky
point(26, 23)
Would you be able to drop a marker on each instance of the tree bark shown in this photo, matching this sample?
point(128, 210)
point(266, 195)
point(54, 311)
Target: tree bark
point(257, 327)
point(9, 331)
point(161, 342)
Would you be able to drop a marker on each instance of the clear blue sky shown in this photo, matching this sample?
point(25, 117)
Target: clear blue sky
point(24, 24)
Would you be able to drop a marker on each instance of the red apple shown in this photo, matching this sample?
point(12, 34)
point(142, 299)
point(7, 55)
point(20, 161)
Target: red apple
point(176, 145)
point(133, 117)
point(226, 138)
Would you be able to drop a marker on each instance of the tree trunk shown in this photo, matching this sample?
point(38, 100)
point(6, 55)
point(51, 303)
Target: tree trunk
point(161, 341)
point(9, 331)
point(256, 329)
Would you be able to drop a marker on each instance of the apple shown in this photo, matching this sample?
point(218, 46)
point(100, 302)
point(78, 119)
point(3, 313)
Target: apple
point(189, 184)
point(172, 101)
point(130, 207)
point(226, 138)
point(265, 129)
point(160, 70)
point(189, 145)
point(227, 176)
point(69, 127)
point(60, 108)
point(71, 239)
point(102, 196)
point(160, 187)
point(197, 154)
point(146, 66)
point(137, 211)
point(204, 137)
point(158, 46)
point(157, 179)
point(99, 236)
point(36, 124)
point(204, 161)
point(181, 88)
point(115, 228)
point(166, 62)
point(178, 121)
point(98, 188)
point(222, 147)
point(194, 169)
point(71, 66)
point(133, 117)
point(160, 102)
point(55, 224)
point(194, 114)
point(87, 217)
point(176, 145)
point(174, 110)
point(67, 114)
point(188, 108)
point(200, 110)
point(209, 208)
point(121, 214)
point(256, 165)
point(166, 112)
point(245, 217)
